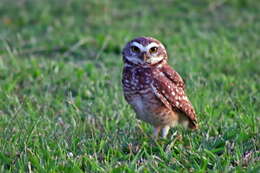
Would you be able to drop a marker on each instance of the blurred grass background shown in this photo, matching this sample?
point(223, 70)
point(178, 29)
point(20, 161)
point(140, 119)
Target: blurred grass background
point(61, 102)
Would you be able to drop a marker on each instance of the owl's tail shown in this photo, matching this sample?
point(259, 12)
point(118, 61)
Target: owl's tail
point(193, 125)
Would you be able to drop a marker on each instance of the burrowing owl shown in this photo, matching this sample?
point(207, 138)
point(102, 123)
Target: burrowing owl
point(153, 88)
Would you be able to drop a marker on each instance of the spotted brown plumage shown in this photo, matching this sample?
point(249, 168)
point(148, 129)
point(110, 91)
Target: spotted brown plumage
point(169, 85)
point(153, 88)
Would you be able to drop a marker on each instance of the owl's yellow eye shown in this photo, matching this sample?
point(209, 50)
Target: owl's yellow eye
point(153, 49)
point(135, 49)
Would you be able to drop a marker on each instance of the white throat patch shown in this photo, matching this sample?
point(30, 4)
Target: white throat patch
point(154, 60)
point(134, 59)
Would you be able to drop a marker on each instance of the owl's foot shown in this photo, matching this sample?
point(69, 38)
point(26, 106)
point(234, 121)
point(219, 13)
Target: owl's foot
point(156, 132)
point(165, 131)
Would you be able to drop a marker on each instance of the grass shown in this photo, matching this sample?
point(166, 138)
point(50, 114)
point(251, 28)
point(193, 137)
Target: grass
point(61, 102)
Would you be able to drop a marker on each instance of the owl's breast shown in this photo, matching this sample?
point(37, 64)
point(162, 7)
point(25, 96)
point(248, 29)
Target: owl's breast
point(139, 93)
point(144, 104)
point(136, 79)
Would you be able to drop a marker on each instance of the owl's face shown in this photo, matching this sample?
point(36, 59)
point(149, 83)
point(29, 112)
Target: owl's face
point(144, 51)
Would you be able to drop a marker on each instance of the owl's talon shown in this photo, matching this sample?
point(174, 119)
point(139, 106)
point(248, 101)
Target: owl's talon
point(165, 131)
point(156, 132)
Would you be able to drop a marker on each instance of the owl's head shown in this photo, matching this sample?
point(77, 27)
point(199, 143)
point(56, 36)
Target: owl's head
point(144, 51)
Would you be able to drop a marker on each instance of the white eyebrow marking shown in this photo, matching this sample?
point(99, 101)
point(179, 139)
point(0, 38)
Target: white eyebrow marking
point(146, 48)
point(153, 44)
point(141, 47)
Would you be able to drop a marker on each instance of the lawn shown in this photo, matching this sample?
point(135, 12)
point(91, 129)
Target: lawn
point(61, 102)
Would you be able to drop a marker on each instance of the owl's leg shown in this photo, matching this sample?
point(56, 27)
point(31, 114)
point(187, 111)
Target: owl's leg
point(156, 132)
point(165, 131)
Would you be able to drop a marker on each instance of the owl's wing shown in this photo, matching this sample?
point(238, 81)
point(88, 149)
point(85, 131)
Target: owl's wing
point(173, 76)
point(169, 88)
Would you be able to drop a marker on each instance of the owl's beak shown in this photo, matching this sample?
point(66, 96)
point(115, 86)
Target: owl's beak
point(144, 56)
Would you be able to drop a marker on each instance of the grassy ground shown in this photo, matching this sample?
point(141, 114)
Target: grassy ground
point(61, 102)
